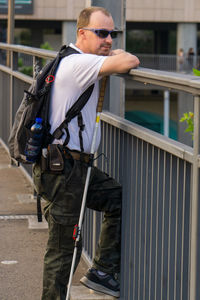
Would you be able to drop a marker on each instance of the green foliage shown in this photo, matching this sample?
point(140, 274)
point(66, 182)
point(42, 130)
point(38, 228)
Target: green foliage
point(20, 62)
point(196, 72)
point(189, 117)
point(27, 70)
point(46, 46)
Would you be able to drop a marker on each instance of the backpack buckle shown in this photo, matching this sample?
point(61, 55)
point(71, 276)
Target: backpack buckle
point(58, 133)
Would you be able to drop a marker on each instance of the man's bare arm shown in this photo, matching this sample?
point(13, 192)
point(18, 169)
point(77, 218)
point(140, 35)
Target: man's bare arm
point(118, 61)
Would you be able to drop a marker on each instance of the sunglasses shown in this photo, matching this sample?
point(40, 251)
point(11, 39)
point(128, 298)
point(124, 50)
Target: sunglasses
point(103, 33)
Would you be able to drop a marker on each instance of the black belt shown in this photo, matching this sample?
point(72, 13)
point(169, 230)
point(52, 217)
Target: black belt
point(84, 157)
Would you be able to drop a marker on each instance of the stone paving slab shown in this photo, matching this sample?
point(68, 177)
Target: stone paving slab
point(83, 293)
point(34, 224)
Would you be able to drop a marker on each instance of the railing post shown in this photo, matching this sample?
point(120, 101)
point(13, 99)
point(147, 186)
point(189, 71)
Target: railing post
point(10, 27)
point(166, 112)
point(94, 235)
point(13, 67)
point(194, 205)
point(37, 66)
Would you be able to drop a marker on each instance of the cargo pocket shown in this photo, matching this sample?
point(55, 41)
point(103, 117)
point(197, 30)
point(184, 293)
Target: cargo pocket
point(65, 209)
point(49, 185)
point(61, 236)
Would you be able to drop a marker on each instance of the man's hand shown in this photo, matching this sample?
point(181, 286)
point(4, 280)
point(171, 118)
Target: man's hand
point(116, 52)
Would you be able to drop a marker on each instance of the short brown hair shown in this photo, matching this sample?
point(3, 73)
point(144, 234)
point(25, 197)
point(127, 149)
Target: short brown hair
point(84, 17)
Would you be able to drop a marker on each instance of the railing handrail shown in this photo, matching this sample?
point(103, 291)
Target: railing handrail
point(43, 53)
point(169, 80)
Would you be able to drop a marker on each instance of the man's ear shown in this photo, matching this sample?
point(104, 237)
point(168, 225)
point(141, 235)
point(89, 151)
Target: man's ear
point(81, 33)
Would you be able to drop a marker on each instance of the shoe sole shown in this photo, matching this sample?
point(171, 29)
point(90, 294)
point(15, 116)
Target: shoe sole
point(98, 288)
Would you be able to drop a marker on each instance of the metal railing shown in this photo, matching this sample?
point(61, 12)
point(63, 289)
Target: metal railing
point(160, 178)
point(168, 62)
point(164, 62)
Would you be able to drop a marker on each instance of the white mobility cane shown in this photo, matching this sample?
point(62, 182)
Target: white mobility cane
point(77, 229)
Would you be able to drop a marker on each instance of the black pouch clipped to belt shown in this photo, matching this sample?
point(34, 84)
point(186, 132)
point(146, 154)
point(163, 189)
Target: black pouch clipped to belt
point(55, 158)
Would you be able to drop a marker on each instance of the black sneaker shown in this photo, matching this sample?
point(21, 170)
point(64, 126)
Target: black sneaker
point(101, 283)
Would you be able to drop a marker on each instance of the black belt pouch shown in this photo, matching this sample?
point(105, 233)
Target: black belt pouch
point(53, 161)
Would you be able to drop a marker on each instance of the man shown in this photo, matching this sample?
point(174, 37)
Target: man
point(63, 192)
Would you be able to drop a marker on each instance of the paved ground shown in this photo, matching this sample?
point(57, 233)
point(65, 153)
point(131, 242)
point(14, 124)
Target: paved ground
point(21, 249)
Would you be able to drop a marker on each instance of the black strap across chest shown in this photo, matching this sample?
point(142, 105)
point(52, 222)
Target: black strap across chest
point(76, 108)
point(74, 111)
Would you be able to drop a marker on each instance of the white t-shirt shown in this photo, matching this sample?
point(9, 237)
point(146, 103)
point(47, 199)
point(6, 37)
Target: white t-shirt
point(75, 74)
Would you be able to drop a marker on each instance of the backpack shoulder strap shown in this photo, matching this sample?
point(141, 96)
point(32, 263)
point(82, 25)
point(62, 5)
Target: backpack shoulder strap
point(74, 111)
point(76, 108)
point(67, 50)
point(51, 68)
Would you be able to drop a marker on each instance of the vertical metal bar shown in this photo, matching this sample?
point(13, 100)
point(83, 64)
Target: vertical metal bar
point(122, 151)
point(11, 89)
point(183, 230)
point(157, 214)
point(176, 228)
point(130, 242)
point(140, 218)
point(13, 66)
point(102, 141)
point(106, 146)
point(11, 14)
point(110, 149)
point(135, 217)
point(166, 112)
point(94, 227)
point(10, 28)
point(37, 65)
point(118, 154)
point(34, 67)
point(163, 221)
point(114, 151)
point(194, 203)
point(131, 220)
point(151, 223)
point(146, 200)
point(169, 228)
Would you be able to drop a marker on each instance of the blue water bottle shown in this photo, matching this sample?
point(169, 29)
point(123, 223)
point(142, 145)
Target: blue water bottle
point(33, 147)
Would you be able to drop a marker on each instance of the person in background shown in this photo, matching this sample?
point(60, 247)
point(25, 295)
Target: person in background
point(180, 60)
point(190, 59)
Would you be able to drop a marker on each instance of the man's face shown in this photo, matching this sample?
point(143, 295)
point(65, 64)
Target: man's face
point(95, 44)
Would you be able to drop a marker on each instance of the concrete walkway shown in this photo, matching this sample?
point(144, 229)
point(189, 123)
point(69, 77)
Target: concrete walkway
point(21, 246)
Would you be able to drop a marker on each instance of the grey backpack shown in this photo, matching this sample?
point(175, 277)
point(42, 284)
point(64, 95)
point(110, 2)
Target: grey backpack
point(35, 103)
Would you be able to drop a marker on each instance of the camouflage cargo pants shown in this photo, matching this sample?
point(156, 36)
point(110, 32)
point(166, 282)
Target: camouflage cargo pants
point(63, 193)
